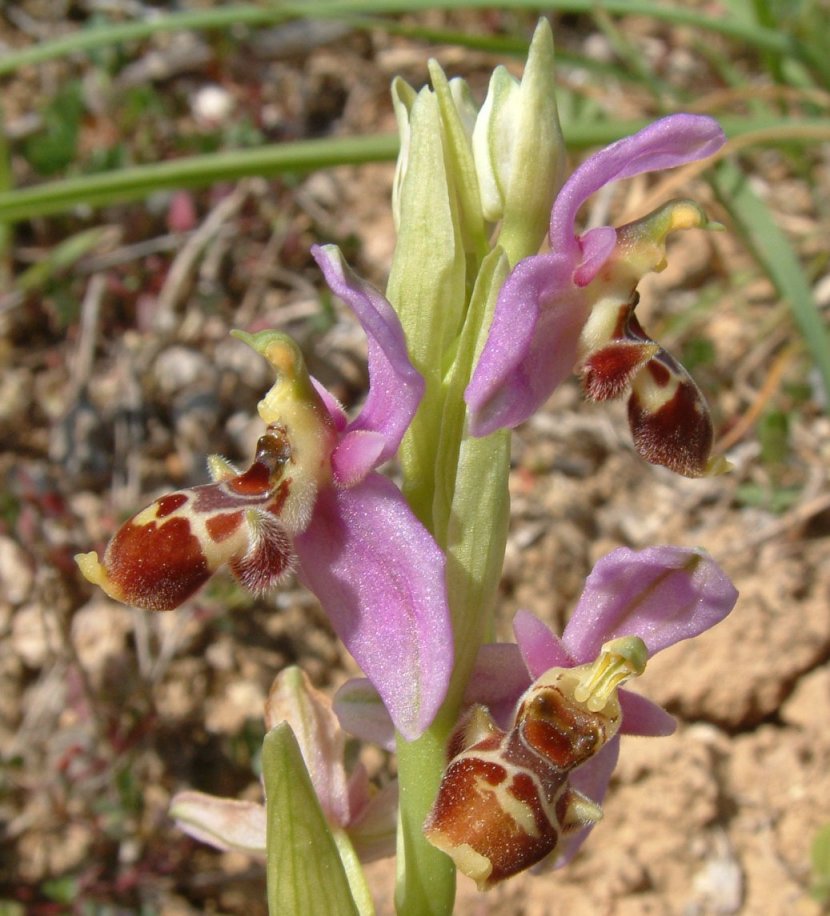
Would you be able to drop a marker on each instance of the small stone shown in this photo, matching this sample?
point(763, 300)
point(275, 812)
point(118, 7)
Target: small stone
point(99, 632)
point(35, 635)
point(211, 105)
point(16, 575)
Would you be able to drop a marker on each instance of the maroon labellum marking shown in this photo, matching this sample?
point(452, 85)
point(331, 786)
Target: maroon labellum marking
point(156, 566)
point(660, 373)
point(678, 435)
point(160, 563)
point(624, 317)
point(269, 557)
point(281, 494)
point(254, 482)
point(500, 805)
point(607, 372)
point(168, 504)
point(221, 527)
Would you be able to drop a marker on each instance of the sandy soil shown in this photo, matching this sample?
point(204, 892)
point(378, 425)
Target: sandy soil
point(118, 377)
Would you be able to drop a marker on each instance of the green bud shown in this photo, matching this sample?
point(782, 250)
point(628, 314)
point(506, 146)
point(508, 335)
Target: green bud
point(519, 151)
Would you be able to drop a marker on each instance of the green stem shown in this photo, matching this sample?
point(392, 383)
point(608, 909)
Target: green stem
point(472, 529)
point(426, 877)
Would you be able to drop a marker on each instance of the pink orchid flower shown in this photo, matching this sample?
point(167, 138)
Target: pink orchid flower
point(349, 801)
point(662, 595)
point(574, 307)
point(313, 501)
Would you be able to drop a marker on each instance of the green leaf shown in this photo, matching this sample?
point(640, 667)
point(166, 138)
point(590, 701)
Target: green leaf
point(304, 871)
point(64, 255)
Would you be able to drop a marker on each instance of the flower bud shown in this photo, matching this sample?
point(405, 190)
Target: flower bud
point(519, 151)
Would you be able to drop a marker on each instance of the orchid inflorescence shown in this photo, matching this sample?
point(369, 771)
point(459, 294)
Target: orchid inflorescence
point(505, 750)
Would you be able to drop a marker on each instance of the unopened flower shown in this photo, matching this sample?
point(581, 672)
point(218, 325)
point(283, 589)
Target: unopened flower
point(518, 146)
point(574, 307)
point(348, 800)
point(313, 498)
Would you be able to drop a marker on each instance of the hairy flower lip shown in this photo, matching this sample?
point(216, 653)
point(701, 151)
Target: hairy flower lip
point(628, 592)
point(316, 493)
point(562, 740)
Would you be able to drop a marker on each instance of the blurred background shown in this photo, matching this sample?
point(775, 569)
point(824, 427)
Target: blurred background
point(164, 169)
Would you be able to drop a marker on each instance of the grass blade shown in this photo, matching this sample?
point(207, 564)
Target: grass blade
point(87, 39)
point(191, 172)
point(776, 256)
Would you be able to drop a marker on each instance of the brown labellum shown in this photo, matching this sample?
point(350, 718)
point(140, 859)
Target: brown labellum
point(166, 552)
point(669, 419)
point(505, 802)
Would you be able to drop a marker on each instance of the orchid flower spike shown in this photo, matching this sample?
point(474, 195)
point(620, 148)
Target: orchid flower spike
point(573, 308)
point(313, 500)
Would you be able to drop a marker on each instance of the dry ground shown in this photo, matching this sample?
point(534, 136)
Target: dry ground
point(118, 377)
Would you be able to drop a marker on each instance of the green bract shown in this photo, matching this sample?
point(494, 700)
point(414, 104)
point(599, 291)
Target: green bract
point(305, 872)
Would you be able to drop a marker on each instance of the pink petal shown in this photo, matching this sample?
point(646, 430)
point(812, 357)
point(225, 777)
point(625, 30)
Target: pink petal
point(643, 717)
point(224, 823)
point(531, 346)
point(357, 453)
point(380, 578)
point(661, 594)
point(361, 712)
point(308, 711)
point(373, 833)
point(668, 142)
point(332, 405)
point(499, 678)
point(596, 244)
point(360, 790)
point(395, 386)
point(541, 648)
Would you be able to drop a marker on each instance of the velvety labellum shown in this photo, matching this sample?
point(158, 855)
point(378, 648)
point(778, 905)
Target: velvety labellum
point(505, 801)
point(668, 415)
point(166, 552)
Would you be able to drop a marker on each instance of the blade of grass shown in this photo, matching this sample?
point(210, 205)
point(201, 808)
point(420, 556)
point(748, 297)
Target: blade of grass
point(193, 171)
point(746, 32)
point(5, 228)
point(774, 253)
point(304, 156)
point(513, 45)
